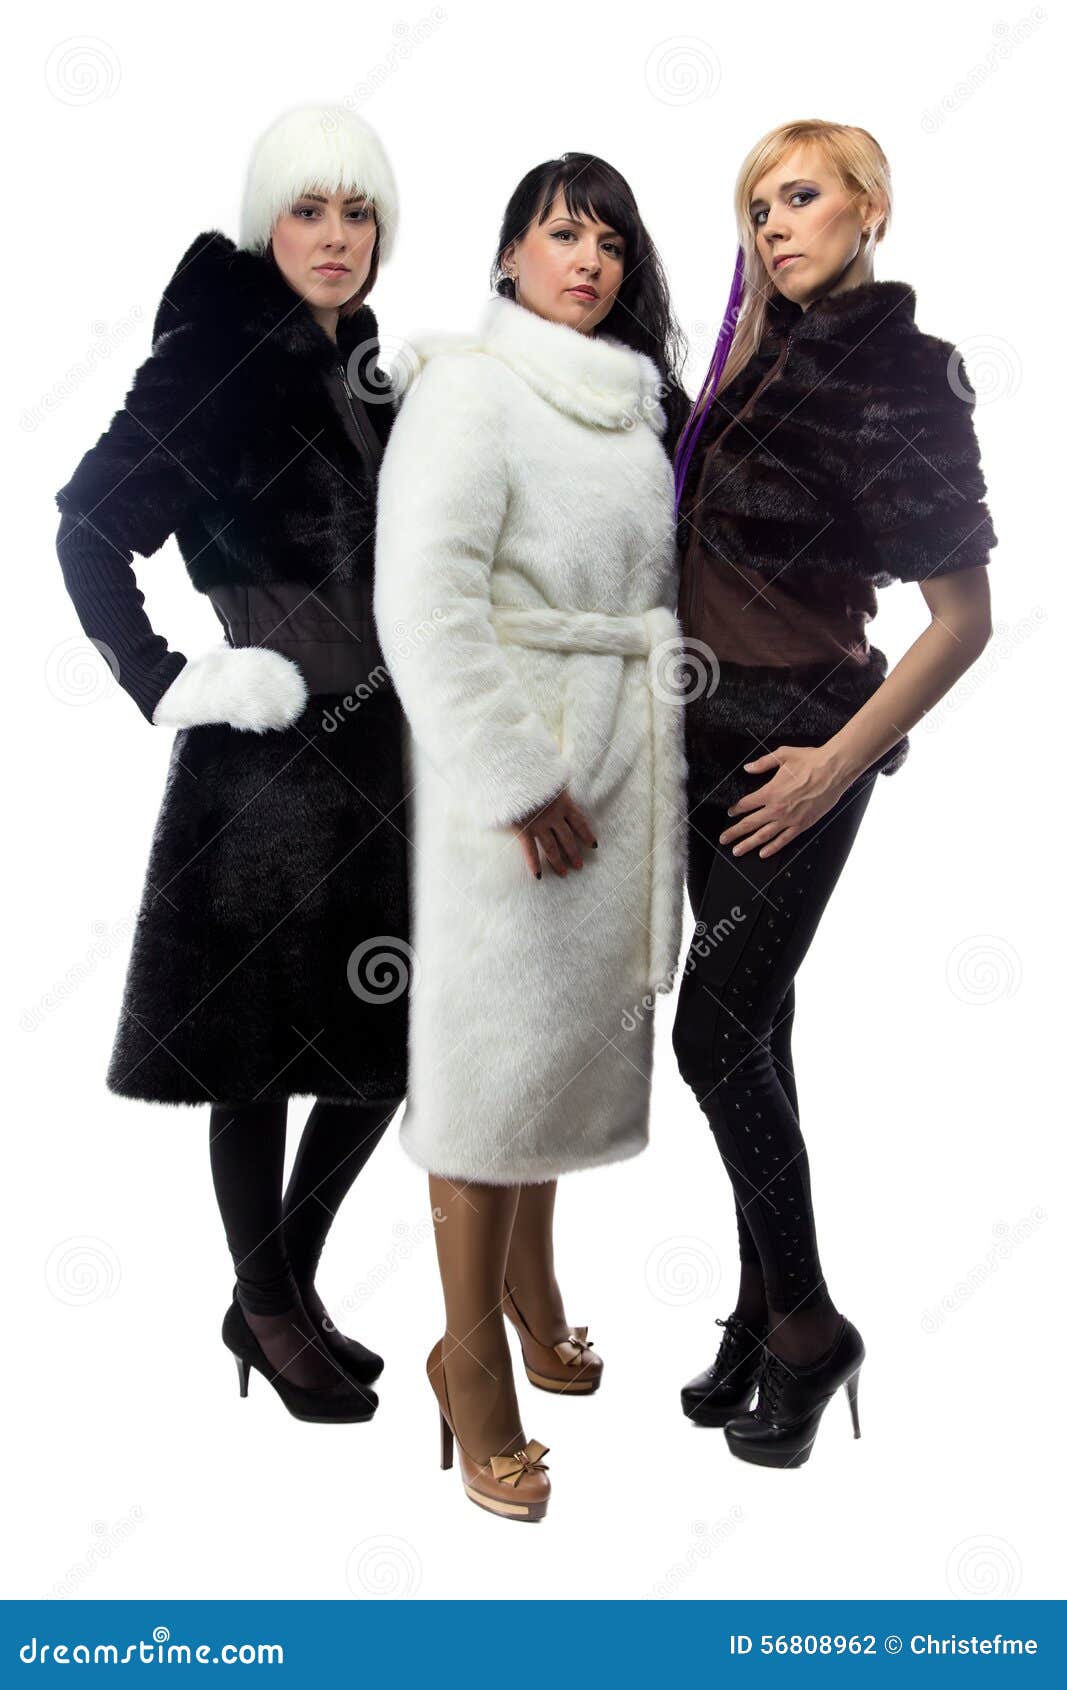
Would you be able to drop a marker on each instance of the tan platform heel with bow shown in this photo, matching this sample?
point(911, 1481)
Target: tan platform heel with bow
point(516, 1485)
point(571, 1366)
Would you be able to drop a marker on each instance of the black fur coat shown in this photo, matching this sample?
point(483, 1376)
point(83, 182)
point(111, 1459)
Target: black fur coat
point(228, 442)
point(271, 956)
point(844, 449)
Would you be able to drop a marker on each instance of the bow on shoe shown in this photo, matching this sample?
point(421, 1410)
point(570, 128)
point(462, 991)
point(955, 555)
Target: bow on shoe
point(572, 1350)
point(509, 1469)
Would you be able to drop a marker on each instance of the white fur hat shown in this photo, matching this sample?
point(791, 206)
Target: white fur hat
point(316, 147)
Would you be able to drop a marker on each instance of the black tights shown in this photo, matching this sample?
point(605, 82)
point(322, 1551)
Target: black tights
point(276, 1241)
point(755, 919)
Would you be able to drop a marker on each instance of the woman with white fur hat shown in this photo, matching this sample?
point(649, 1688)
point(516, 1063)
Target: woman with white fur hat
point(270, 956)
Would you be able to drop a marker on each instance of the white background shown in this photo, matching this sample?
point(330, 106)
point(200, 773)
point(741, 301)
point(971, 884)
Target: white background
point(928, 1042)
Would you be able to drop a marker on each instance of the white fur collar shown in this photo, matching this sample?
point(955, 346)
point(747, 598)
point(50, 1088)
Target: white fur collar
point(594, 378)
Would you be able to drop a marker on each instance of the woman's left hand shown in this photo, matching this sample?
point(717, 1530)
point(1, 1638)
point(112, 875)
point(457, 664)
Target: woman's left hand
point(803, 788)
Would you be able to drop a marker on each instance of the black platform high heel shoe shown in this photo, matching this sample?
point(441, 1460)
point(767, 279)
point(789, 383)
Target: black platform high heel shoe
point(360, 1363)
point(781, 1430)
point(340, 1403)
point(726, 1388)
point(353, 1358)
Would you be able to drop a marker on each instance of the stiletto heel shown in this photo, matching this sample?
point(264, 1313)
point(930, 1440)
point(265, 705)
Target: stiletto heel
point(447, 1442)
point(242, 1374)
point(780, 1431)
point(852, 1386)
point(514, 1485)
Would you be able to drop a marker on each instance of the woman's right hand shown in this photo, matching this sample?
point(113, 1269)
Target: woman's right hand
point(557, 830)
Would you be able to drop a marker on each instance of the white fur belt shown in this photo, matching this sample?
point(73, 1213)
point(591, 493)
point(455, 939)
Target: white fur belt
point(656, 636)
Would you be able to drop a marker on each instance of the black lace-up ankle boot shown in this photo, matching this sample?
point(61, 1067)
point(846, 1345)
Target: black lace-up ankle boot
point(781, 1430)
point(725, 1388)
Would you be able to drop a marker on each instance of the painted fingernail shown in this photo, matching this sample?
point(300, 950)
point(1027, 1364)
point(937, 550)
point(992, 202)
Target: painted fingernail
point(539, 874)
point(595, 845)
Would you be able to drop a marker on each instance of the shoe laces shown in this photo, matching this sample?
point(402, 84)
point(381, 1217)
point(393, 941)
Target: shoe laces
point(772, 1376)
point(736, 1345)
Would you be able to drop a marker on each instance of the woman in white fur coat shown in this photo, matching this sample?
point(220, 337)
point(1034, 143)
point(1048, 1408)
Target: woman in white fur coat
point(525, 592)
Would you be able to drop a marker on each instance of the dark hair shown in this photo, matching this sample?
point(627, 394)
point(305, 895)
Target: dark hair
point(641, 316)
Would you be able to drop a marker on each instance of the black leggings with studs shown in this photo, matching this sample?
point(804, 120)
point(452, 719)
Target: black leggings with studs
point(755, 919)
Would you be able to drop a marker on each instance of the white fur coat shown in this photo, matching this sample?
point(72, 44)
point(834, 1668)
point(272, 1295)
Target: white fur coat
point(525, 590)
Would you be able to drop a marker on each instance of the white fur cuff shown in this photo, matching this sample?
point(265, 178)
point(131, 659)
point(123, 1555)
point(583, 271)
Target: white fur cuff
point(245, 687)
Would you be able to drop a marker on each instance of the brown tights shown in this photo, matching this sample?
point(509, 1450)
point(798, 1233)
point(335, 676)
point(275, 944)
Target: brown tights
point(486, 1234)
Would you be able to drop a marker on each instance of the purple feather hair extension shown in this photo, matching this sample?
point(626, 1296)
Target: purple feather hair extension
point(691, 433)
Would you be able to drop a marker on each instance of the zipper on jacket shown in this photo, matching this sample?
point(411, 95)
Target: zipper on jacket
point(356, 423)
